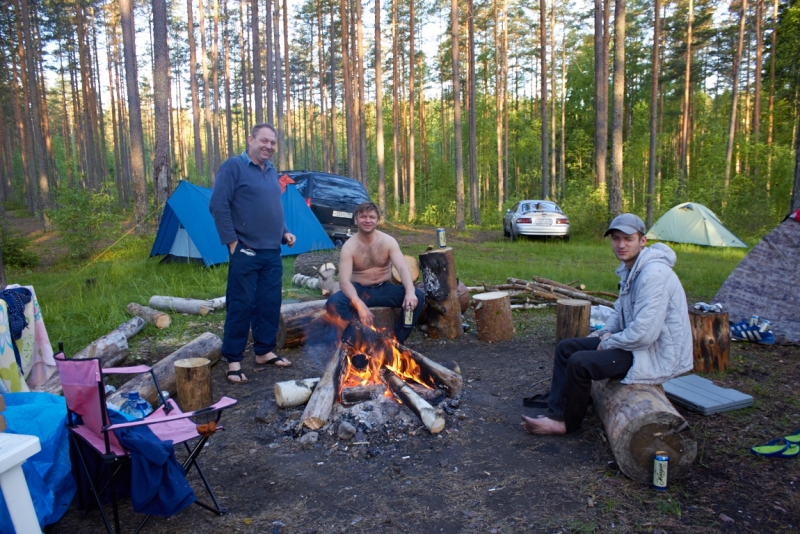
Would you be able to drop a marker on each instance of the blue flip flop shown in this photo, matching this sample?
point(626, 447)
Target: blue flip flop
point(773, 449)
point(791, 451)
point(794, 438)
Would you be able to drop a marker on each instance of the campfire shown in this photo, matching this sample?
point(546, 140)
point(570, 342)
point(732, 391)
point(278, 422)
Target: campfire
point(367, 365)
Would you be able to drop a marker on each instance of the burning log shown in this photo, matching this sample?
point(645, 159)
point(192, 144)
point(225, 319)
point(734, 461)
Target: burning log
point(439, 279)
point(418, 405)
point(639, 420)
point(356, 394)
point(156, 318)
point(319, 406)
point(182, 305)
point(293, 393)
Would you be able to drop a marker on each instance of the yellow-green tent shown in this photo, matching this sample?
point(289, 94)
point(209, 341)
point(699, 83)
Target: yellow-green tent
point(693, 223)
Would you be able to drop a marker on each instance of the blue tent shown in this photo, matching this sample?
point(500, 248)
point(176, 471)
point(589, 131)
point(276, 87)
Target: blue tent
point(187, 231)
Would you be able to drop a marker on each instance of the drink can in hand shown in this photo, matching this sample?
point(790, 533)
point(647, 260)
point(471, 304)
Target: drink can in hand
point(408, 318)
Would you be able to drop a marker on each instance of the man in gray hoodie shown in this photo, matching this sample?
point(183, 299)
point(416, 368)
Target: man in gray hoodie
point(647, 339)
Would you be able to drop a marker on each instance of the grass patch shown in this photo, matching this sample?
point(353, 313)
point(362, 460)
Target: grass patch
point(77, 313)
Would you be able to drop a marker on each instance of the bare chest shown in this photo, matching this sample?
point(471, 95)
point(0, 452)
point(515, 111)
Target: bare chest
point(370, 256)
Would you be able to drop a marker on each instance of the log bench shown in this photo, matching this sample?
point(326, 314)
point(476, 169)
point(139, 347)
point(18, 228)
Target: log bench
point(639, 420)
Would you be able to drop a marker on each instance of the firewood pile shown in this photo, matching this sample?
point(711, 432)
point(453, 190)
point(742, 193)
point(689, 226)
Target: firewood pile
point(540, 292)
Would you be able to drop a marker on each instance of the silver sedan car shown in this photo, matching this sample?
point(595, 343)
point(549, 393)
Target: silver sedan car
point(535, 217)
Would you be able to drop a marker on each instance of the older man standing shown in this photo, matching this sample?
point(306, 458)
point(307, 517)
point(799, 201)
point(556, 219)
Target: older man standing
point(647, 340)
point(247, 210)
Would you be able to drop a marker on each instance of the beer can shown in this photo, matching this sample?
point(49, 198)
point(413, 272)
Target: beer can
point(660, 470)
point(408, 318)
point(440, 238)
point(764, 327)
point(753, 320)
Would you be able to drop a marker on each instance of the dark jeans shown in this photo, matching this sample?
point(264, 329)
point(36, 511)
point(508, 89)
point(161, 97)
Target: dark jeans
point(253, 300)
point(576, 364)
point(385, 294)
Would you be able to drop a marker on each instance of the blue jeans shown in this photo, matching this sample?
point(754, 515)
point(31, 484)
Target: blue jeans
point(253, 300)
point(383, 294)
point(576, 364)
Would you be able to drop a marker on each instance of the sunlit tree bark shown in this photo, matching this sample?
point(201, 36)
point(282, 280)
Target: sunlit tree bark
point(651, 169)
point(459, 160)
point(543, 88)
point(379, 110)
point(162, 185)
point(734, 101)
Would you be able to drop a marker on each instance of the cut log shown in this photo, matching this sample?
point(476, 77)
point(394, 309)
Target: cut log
point(547, 281)
point(572, 318)
point(309, 263)
point(603, 294)
point(156, 318)
point(293, 393)
point(639, 420)
point(328, 282)
point(193, 383)
point(297, 321)
point(562, 289)
point(426, 413)
point(218, 303)
point(112, 349)
point(493, 316)
point(182, 305)
point(439, 278)
point(413, 270)
point(463, 297)
point(711, 340)
point(206, 345)
point(384, 318)
point(319, 406)
point(356, 394)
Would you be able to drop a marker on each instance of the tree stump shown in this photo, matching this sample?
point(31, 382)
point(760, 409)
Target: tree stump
point(572, 318)
point(493, 316)
point(156, 318)
point(413, 269)
point(711, 340)
point(441, 291)
point(193, 383)
point(639, 420)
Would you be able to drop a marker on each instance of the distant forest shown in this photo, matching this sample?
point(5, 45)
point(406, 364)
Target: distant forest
point(610, 106)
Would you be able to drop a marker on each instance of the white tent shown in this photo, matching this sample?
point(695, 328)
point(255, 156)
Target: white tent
point(693, 223)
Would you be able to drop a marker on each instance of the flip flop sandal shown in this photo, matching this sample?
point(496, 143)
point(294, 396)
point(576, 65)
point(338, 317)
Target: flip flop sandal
point(274, 361)
point(794, 437)
point(791, 451)
point(242, 379)
point(773, 449)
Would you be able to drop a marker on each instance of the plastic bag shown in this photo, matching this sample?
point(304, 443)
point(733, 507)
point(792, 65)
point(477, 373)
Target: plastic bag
point(48, 472)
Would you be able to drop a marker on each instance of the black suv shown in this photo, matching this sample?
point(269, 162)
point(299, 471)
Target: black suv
point(332, 198)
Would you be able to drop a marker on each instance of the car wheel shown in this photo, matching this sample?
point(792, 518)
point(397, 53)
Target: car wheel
point(566, 238)
point(505, 232)
point(512, 234)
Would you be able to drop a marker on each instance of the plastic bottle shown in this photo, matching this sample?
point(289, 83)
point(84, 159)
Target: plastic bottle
point(136, 406)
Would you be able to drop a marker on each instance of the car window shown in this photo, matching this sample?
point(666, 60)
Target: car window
point(515, 207)
point(342, 190)
point(540, 206)
point(301, 182)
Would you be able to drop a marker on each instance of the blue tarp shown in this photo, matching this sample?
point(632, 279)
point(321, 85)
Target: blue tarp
point(47, 472)
point(188, 208)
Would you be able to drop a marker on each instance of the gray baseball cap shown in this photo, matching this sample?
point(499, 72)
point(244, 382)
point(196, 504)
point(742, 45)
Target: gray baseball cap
point(627, 223)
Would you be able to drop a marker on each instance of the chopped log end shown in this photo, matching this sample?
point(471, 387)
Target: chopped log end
point(188, 363)
point(437, 425)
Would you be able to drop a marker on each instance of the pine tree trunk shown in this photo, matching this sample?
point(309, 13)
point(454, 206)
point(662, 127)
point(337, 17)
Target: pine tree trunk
point(682, 163)
point(258, 96)
point(227, 56)
point(334, 140)
point(135, 116)
point(615, 182)
point(270, 90)
point(395, 110)
point(162, 185)
point(600, 95)
point(412, 61)
point(498, 108)
point(459, 159)
point(207, 103)
point(279, 86)
point(215, 93)
point(545, 138)
point(474, 185)
point(651, 169)
point(198, 148)
point(289, 130)
point(735, 103)
point(771, 91)
point(553, 150)
point(323, 96)
point(362, 99)
point(379, 111)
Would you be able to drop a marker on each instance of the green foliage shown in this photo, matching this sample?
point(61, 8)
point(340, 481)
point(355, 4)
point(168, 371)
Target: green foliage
point(83, 219)
point(15, 249)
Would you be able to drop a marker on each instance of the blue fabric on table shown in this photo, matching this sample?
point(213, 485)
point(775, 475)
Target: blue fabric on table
point(48, 472)
point(158, 480)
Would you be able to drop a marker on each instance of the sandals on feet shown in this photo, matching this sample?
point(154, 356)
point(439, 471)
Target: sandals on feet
point(238, 372)
point(274, 361)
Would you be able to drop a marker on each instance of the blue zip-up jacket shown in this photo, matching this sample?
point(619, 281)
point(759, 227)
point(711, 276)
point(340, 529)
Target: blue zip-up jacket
point(246, 204)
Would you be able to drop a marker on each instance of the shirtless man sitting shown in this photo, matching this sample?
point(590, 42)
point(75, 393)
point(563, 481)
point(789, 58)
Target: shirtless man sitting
point(365, 269)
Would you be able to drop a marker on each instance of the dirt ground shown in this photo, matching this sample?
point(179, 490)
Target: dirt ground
point(482, 473)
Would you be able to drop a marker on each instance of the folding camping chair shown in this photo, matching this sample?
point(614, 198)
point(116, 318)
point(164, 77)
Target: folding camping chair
point(84, 391)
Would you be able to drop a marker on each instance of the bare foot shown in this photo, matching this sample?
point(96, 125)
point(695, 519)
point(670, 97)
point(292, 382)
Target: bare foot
point(235, 374)
point(543, 426)
point(272, 359)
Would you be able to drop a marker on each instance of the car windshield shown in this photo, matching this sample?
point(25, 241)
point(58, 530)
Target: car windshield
point(539, 206)
point(339, 189)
